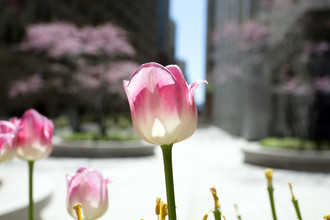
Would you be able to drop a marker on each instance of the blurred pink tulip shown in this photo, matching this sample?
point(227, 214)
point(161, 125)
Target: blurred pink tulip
point(16, 121)
point(162, 104)
point(34, 138)
point(7, 127)
point(89, 188)
point(7, 141)
point(7, 147)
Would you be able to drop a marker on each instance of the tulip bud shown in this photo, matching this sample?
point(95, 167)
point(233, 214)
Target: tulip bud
point(7, 147)
point(34, 138)
point(269, 176)
point(89, 188)
point(162, 104)
point(215, 197)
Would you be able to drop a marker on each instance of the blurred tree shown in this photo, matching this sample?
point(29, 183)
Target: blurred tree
point(138, 18)
point(86, 63)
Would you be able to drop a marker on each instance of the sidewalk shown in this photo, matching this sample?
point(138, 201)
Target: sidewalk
point(209, 158)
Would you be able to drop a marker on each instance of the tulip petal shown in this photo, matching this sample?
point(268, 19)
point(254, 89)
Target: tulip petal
point(176, 71)
point(6, 127)
point(192, 88)
point(7, 147)
point(68, 178)
point(190, 123)
point(131, 104)
point(158, 129)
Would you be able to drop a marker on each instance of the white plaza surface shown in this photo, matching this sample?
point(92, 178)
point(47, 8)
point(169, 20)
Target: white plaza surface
point(211, 157)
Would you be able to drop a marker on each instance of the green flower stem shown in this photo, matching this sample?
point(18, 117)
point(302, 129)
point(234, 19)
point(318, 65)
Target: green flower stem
point(217, 214)
point(167, 156)
point(296, 206)
point(271, 199)
point(31, 203)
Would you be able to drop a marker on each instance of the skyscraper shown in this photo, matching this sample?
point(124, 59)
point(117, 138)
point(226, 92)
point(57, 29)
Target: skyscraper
point(225, 100)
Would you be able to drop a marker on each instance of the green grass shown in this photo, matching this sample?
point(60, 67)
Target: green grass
point(97, 137)
point(294, 143)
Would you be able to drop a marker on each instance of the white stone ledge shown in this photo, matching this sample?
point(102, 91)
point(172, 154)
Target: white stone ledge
point(102, 149)
point(304, 160)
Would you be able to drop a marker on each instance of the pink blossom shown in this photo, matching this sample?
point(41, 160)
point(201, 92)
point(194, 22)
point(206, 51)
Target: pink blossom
point(268, 3)
point(98, 76)
point(82, 47)
point(89, 188)
point(316, 47)
point(254, 36)
point(88, 81)
point(60, 40)
point(283, 4)
point(226, 74)
point(323, 84)
point(320, 47)
point(278, 4)
point(295, 87)
point(31, 84)
point(67, 47)
point(41, 37)
point(229, 31)
point(117, 72)
point(162, 104)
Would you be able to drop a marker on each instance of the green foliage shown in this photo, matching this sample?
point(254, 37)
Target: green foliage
point(294, 143)
point(61, 122)
point(115, 136)
point(119, 120)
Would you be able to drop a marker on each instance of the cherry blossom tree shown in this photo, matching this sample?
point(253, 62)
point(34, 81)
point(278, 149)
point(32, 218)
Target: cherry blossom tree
point(87, 62)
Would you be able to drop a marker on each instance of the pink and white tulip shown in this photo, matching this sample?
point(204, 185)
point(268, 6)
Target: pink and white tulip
point(7, 141)
point(34, 137)
point(7, 147)
point(162, 104)
point(89, 188)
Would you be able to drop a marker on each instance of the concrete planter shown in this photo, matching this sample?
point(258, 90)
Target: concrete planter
point(305, 160)
point(102, 149)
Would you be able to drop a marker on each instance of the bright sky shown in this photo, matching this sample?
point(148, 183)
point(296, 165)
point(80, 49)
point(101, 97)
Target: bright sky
point(191, 22)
